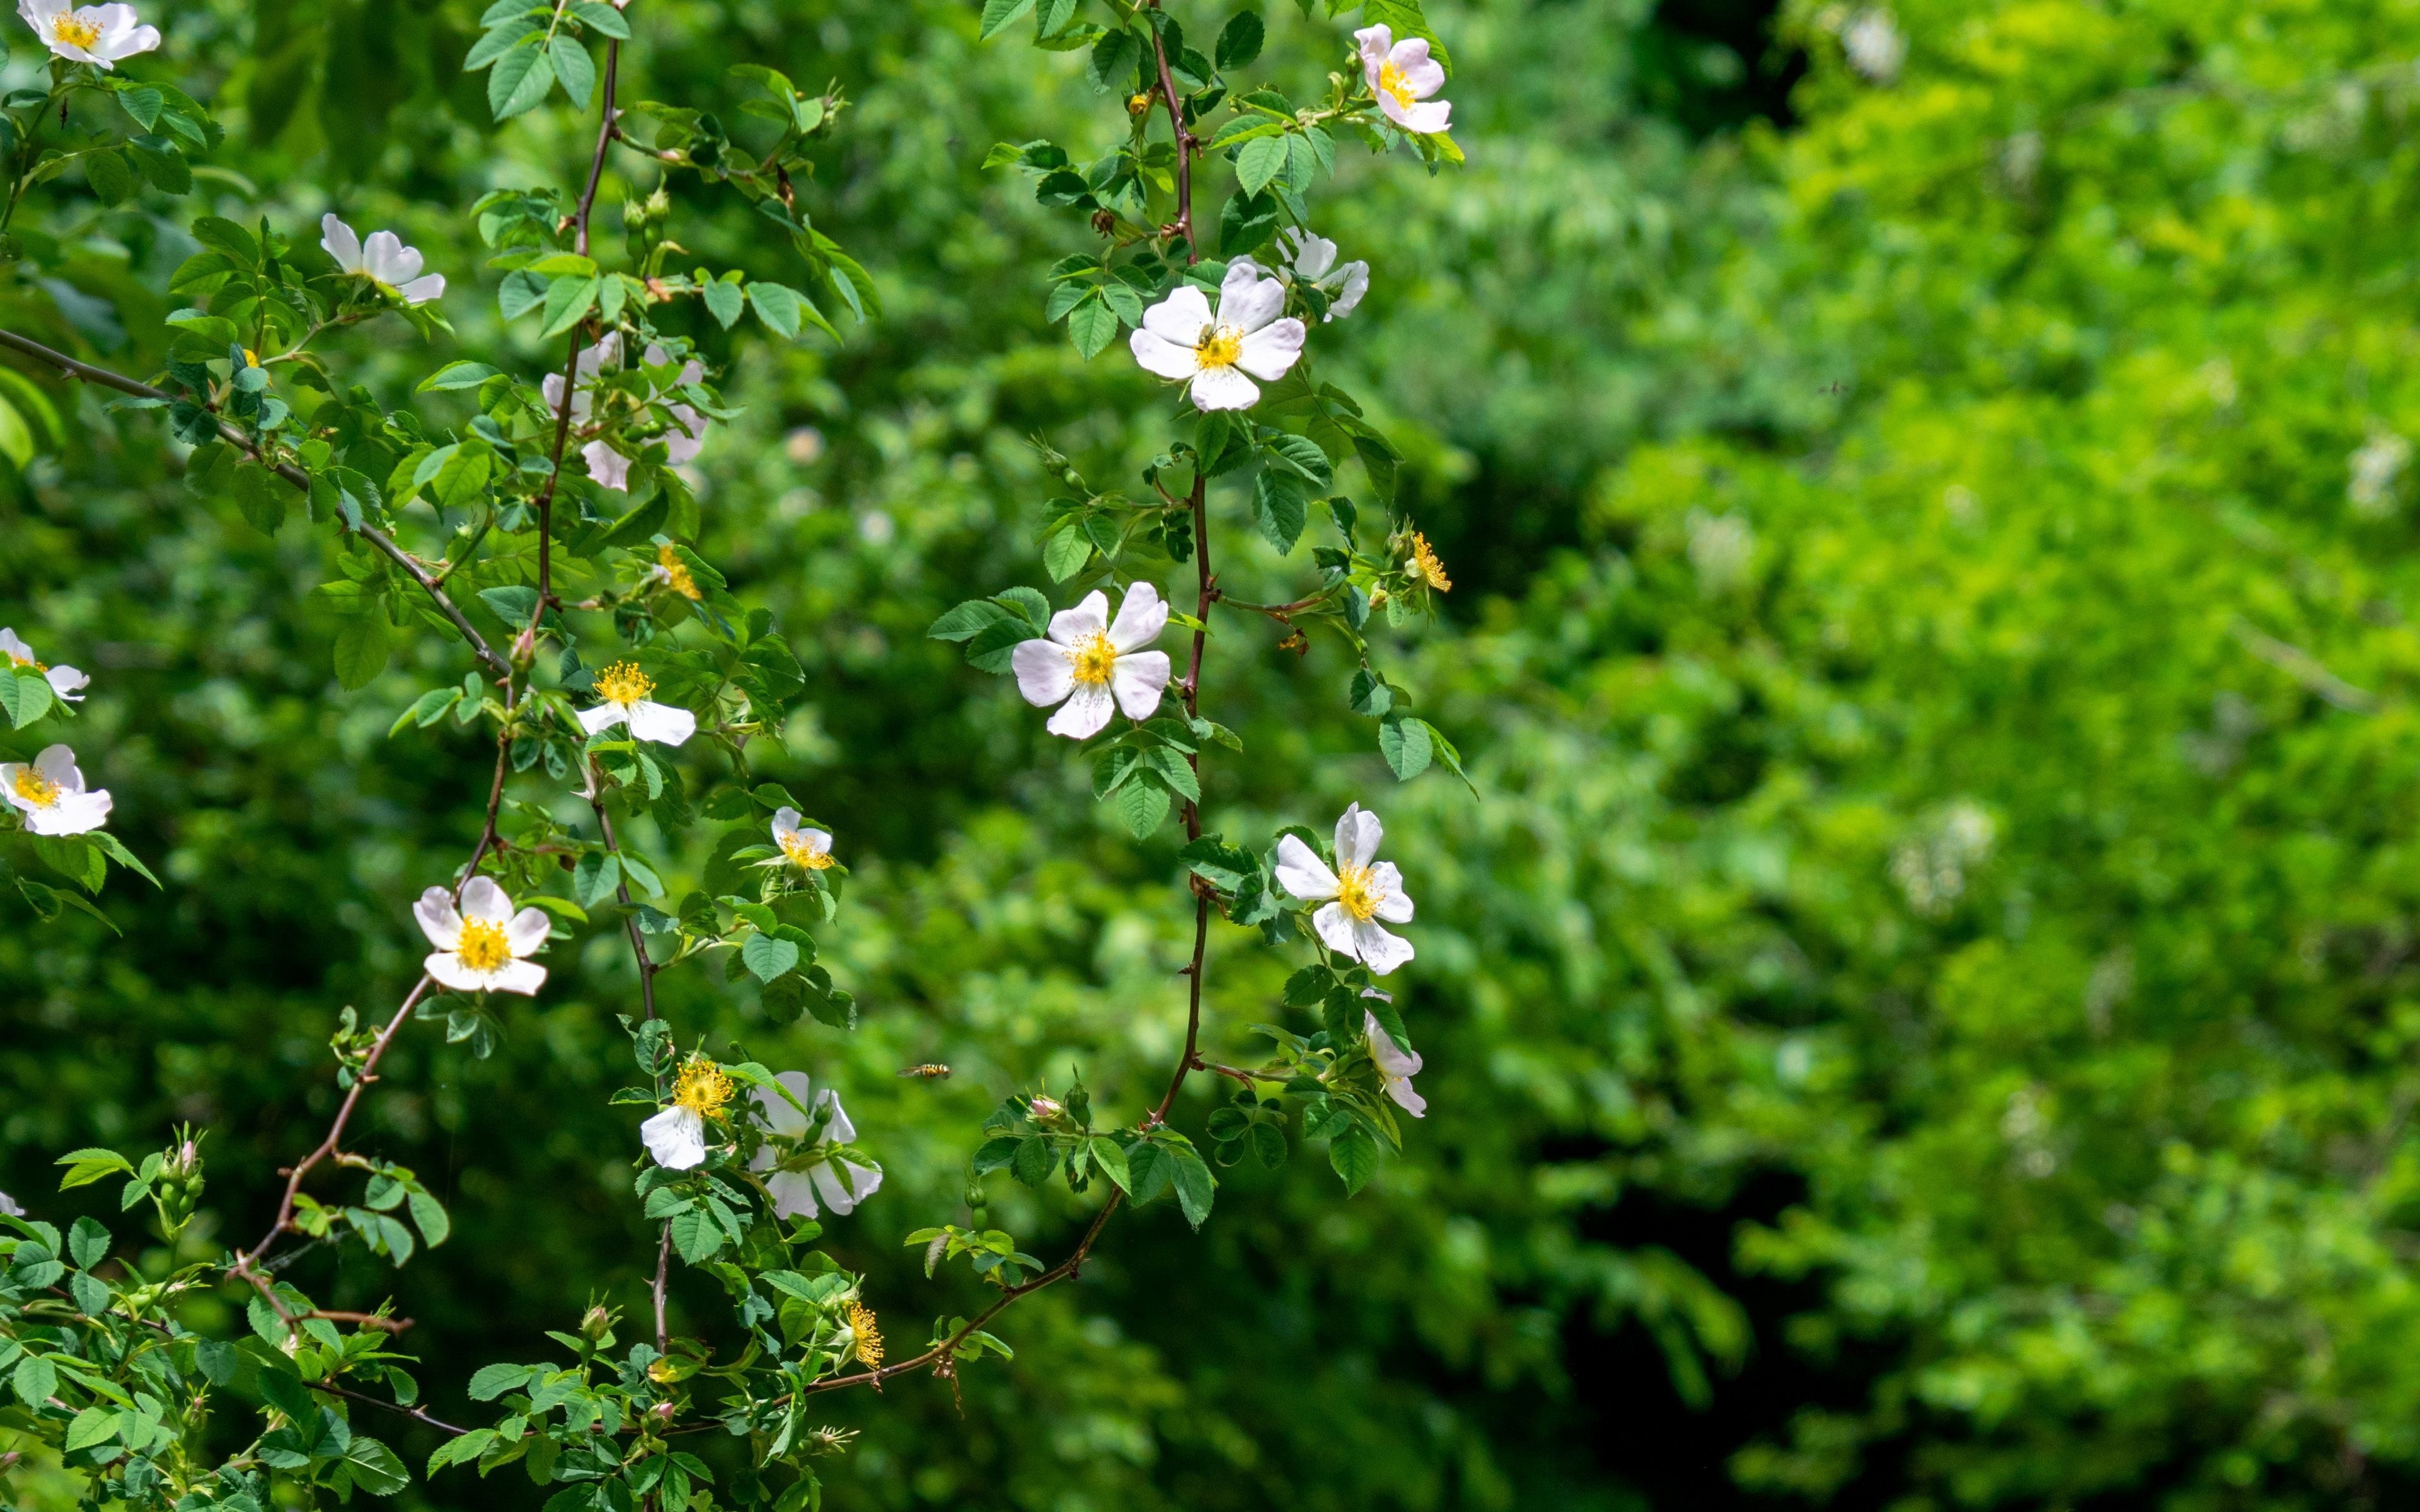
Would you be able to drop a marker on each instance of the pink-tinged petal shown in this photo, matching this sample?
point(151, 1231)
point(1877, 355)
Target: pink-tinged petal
point(1137, 681)
point(773, 1110)
point(1178, 319)
point(1357, 835)
point(1301, 873)
point(1159, 356)
point(1377, 949)
point(483, 899)
point(1248, 300)
point(1424, 75)
point(447, 971)
point(608, 466)
point(1373, 43)
point(662, 723)
point(527, 931)
point(58, 764)
point(1086, 711)
point(522, 977)
point(1387, 883)
point(423, 289)
point(74, 813)
point(687, 439)
point(1423, 119)
point(1043, 674)
point(676, 1137)
point(1140, 618)
point(1334, 927)
point(1224, 387)
point(68, 683)
point(1270, 351)
point(1393, 1058)
point(341, 242)
point(603, 716)
point(1071, 627)
point(439, 919)
point(794, 1195)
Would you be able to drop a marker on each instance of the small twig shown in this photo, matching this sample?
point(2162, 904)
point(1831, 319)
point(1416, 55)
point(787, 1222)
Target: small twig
point(416, 1413)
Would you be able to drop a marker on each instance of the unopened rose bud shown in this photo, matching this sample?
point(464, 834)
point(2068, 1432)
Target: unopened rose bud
point(596, 1324)
point(1045, 1110)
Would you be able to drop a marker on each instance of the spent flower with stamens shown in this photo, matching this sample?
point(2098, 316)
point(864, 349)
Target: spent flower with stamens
point(49, 790)
point(1090, 666)
point(481, 945)
point(865, 1338)
point(1360, 892)
point(384, 259)
point(1181, 337)
point(806, 848)
point(677, 1137)
point(670, 571)
point(624, 690)
point(1423, 565)
point(99, 35)
point(67, 684)
point(1402, 75)
point(800, 1151)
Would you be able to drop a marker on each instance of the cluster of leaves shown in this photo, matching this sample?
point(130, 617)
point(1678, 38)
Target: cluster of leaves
point(75, 123)
point(1036, 1137)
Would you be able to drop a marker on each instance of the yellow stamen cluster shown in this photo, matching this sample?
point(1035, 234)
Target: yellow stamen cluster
point(483, 947)
point(1357, 889)
point(796, 847)
point(677, 574)
point(35, 789)
point(1093, 657)
point(1141, 104)
point(74, 31)
point(868, 1347)
point(623, 683)
point(1393, 83)
point(16, 661)
point(1423, 566)
point(1219, 346)
point(702, 1087)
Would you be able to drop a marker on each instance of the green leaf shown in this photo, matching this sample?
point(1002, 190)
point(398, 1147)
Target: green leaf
point(1035, 1160)
point(998, 14)
point(1404, 743)
point(573, 66)
point(1196, 1188)
point(768, 956)
point(94, 1425)
point(568, 299)
point(1111, 66)
point(91, 1164)
point(1091, 325)
point(1064, 554)
point(778, 306)
point(520, 77)
point(25, 697)
point(696, 1235)
point(1260, 159)
point(463, 375)
point(1142, 807)
point(373, 1466)
point(1239, 40)
point(1302, 455)
point(111, 176)
point(36, 1380)
point(1112, 1162)
point(603, 18)
point(431, 1215)
point(594, 879)
point(87, 1243)
point(1279, 507)
point(1355, 1157)
point(493, 1380)
point(360, 650)
point(724, 301)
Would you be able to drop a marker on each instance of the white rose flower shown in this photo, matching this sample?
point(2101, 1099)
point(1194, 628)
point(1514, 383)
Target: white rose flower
point(800, 1153)
point(1364, 891)
point(66, 682)
point(384, 260)
point(1182, 338)
point(809, 850)
point(1315, 263)
point(8, 1206)
point(99, 35)
point(1402, 75)
point(610, 467)
point(49, 792)
point(480, 946)
point(625, 690)
point(1091, 665)
point(1398, 1066)
point(677, 1137)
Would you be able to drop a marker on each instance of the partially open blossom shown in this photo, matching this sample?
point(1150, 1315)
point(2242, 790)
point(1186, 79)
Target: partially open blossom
point(1181, 337)
point(809, 850)
point(1403, 76)
point(1363, 890)
point(610, 467)
point(1398, 1066)
point(99, 35)
point(1091, 665)
point(1315, 263)
point(481, 946)
point(384, 259)
point(677, 1137)
point(49, 790)
point(624, 690)
point(799, 1151)
point(66, 682)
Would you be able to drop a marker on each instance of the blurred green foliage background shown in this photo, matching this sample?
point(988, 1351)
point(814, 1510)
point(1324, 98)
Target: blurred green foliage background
point(1922, 1013)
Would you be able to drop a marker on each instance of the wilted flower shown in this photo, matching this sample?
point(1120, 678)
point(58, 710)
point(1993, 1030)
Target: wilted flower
point(49, 792)
point(865, 1339)
point(99, 35)
point(1397, 1065)
point(610, 467)
point(1092, 665)
point(384, 259)
point(480, 946)
point(66, 682)
point(1364, 891)
point(1315, 263)
point(1402, 75)
point(624, 689)
point(809, 850)
point(670, 571)
point(1423, 565)
point(1182, 338)
point(805, 1168)
point(677, 1137)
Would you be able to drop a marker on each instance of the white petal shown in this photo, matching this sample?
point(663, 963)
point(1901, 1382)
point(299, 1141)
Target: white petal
point(662, 723)
point(447, 969)
point(610, 467)
point(1422, 119)
point(1334, 927)
point(676, 1137)
point(522, 977)
point(1374, 43)
point(74, 813)
point(1391, 1059)
point(684, 443)
point(1044, 673)
point(527, 931)
point(1140, 618)
point(1423, 73)
point(837, 1128)
point(1071, 627)
point(1224, 387)
point(14, 647)
point(483, 899)
point(68, 683)
point(1246, 300)
point(341, 242)
point(1167, 359)
point(1377, 949)
point(1400, 1088)
point(773, 1110)
point(794, 1195)
point(385, 258)
point(8, 772)
point(1386, 884)
point(1270, 351)
point(439, 919)
point(1357, 283)
point(1301, 873)
point(1085, 711)
point(1358, 834)
point(817, 842)
point(1137, 679)
point(786, 822)
point(603, 716)
point(865, 1180)
point(1178, 319)
point(57, 762)
point(1314, 255)
point(423, 289)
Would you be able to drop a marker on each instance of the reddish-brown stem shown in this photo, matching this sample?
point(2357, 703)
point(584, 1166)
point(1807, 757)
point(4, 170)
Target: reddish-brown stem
point(1185, 145)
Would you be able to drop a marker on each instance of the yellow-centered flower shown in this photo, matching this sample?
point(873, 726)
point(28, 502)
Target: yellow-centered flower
point(623, 689)
point(1354, 897)
point(1093, 666)
point(1423, 566)
point(1219, 346)
point(483, 947)
point(702, 1087)
point(480, 944)
point(49, 790)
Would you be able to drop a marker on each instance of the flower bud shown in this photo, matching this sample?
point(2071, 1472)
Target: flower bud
point(597, 1326)
point(1045, 1110)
